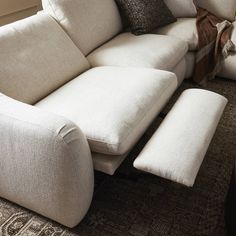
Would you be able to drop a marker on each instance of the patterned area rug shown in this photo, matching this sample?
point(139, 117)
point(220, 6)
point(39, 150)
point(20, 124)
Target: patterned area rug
point(136, 204)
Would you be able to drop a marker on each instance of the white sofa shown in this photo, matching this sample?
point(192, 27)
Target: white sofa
point(162, 51)
point(185, 29)
point(104, 88)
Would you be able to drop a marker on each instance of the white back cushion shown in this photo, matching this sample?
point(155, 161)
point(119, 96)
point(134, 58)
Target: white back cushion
point(182, 8)
point(89, 23)
point(222, 8)
point(36, 57)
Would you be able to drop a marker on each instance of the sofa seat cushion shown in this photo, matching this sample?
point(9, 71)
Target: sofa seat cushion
point(178, 147)
point(149, 50)
point(113, 106)
point(183, 28)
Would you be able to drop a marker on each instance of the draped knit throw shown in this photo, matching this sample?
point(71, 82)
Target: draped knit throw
point(214, 45)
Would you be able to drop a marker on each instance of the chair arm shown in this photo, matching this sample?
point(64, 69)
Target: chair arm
point(45, 162)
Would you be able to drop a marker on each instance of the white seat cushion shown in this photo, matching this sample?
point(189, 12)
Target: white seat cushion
point(149, 50)
point(183, 28)
point(89, 23)
point(113, 106)
point(178, 147)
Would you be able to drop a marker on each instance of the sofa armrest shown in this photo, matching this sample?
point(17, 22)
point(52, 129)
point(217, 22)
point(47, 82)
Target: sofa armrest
point(45, 162)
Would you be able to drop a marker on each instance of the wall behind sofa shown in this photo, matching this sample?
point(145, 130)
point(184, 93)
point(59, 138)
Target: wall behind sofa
point(12, 10)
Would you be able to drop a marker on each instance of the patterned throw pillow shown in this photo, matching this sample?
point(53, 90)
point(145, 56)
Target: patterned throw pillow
point(144, 16)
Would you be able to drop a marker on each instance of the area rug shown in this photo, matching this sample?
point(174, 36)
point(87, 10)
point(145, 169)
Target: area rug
point(136, 204)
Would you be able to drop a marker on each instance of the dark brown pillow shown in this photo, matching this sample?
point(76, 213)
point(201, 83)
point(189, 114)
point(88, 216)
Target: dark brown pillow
point(144, 16)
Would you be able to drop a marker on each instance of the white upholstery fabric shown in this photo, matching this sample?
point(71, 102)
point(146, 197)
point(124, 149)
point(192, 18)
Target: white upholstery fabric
point(180, 70)
point(113, 106)
point(107, 163)
point(221, 8)
point(89, 23)
point(233, 36)
point(46, 163)
point(152, 51)
point(228, 69)
point(183, 28)
point(182, 8)
point(36, 58)
point(190, 64)
point(178, 147)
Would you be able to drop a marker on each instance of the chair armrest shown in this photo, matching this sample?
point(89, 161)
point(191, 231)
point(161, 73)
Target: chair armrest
point(45, 162)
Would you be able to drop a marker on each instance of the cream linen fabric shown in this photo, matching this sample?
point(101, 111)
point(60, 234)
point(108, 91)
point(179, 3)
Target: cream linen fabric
point(149, 50)
point(221, 8)
point(36, 58)
point(113, 106)
point(89, 23)
point(233, 36)
point(46, 163)
point(190, 64)
point(182, 8)
point(184, 29)
point(178, 147)
point(180, 70)
point(107, 163)
point(228, 69)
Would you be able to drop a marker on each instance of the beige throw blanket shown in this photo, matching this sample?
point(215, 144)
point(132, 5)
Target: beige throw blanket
point(214, 45)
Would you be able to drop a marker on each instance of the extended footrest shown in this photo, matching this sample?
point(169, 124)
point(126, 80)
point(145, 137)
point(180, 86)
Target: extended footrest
point(178, 147)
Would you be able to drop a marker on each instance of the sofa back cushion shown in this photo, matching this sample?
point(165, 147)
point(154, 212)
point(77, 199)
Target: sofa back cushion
point(36, 57)
point(89, 23)
point(222, 8)
point(182, 8)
